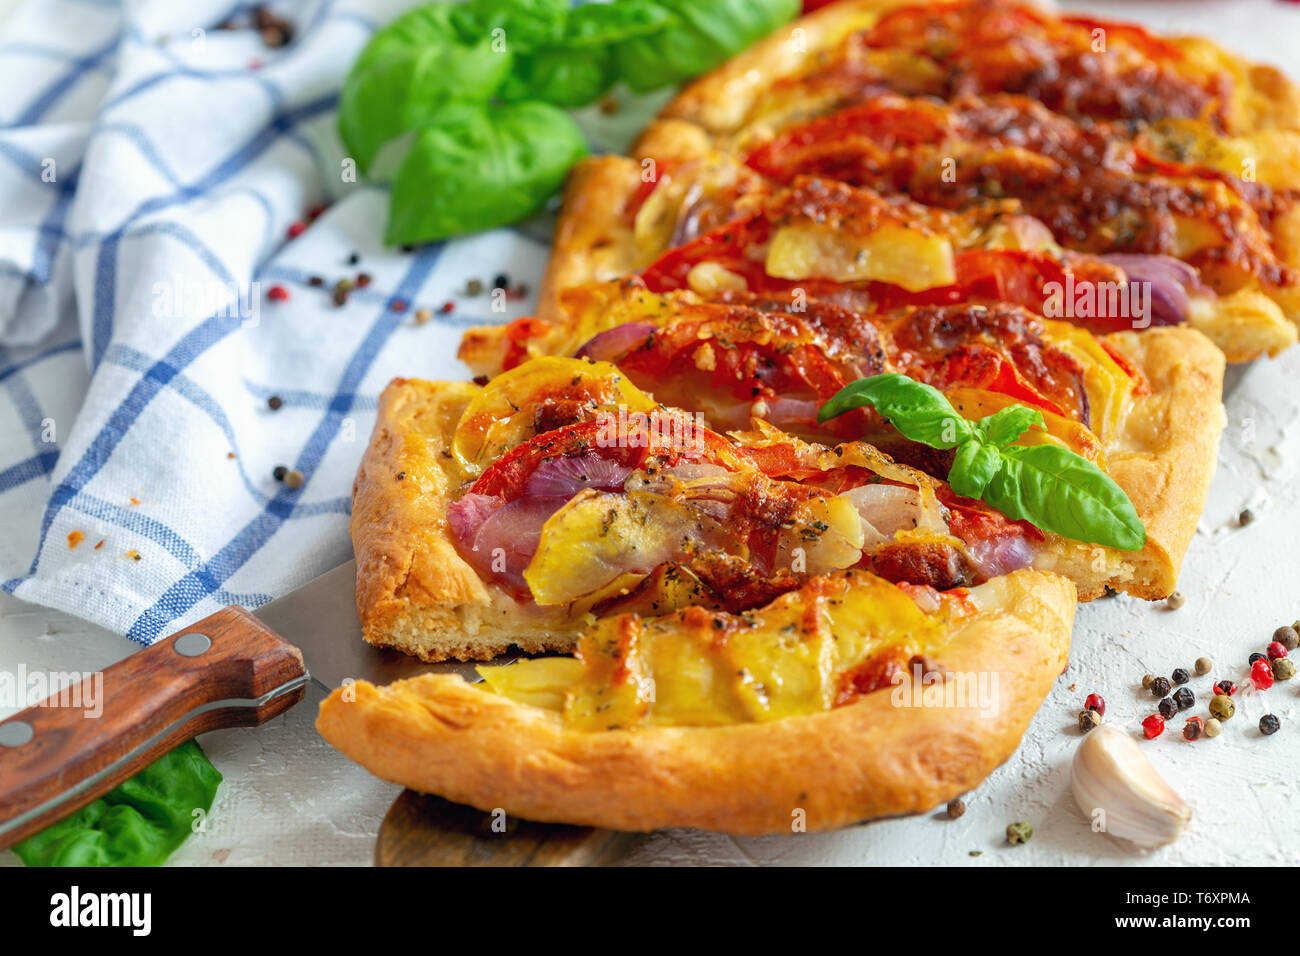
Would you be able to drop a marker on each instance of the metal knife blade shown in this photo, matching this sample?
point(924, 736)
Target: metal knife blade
point(320, 618)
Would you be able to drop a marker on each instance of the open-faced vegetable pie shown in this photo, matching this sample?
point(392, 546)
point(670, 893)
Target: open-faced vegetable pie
point(895, 337)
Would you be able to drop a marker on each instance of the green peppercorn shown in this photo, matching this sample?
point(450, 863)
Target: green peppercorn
point(1203, 666)
point(1283, 669)
point(1269, 724)
point(1160, 687)
point(1167, 708)
point(1222, 707)
point(1213, 728)
point(1088, 720)
point(1019, 832)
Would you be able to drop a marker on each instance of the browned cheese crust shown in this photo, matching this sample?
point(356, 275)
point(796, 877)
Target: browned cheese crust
point(869, 759)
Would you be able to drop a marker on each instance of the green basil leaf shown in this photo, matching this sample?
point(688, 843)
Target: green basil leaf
point(476, 167)
point(521, 25)
point(973, 468)
point(140, 822)
point(604, 24)
point(1007, 424)
point(563, 77)
point(920, 412)
point(707, 33)
point(407, 72)
point(1057, 490)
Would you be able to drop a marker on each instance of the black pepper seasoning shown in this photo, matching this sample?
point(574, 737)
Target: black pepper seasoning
point(1160, 687)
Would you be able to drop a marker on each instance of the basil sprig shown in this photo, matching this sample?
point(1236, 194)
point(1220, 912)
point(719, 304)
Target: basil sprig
point(1049, 486)
point(463, 105)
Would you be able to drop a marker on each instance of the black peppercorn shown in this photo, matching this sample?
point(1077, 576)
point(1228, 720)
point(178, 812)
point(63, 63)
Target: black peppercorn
point(279, 472)
point(274, 403)
point(1269, 724)
point(1184, 698)
point(1181, 676)
point(501, 281)
point(1160, 687)
point(1255, 657)
point(1167, 708)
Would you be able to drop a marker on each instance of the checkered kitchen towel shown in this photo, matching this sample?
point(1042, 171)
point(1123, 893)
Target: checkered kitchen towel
point(151, 165)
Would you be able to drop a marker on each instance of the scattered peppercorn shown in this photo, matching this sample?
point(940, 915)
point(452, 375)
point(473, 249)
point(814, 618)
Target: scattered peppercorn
point(1147, 681)
point(1095, 702)
point(1160, 687)
point(474, 287)
point(1222, 707)
point(340, 296)
point(501, 281)
point(274, 403)
point(293, 478)
point(1167, 708)
point(316, 282)
point(398, 305)
point(1261, 674)
point(1203, 666)
point(279, 472)
point(1288, 637)
point(297, 228)
point(1254, 657)
point(1153, 726)
point(1213, 728)
point(1089, 720)
point(1193, 728)
point(1184, 698)
point(1175, 601)
point(401, 476)
point(1283, 668)
point(363, 279)
point(1269, 724)
point(422, 316)
point(1225, 687)
point(1019, 832)
point(277, 293)
point(1180, 675)
point(1276, 649)
point(448, 306)
point(956, 808)
point(1246, 517)
point(353, 258)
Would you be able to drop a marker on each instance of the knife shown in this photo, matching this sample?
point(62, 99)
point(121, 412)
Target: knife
point(231, 669)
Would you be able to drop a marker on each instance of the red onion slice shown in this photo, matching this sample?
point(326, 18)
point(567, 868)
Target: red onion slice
point(612, 344)
point(567, 475)
point(1171, 282)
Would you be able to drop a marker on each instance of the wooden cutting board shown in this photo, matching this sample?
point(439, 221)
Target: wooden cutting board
point(422, 830)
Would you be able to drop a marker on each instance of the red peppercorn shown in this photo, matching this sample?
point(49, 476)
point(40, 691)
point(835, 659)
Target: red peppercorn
point(315, 211)
point(398, 305)
point(363, 279)
point(1153, 726)
point(448, 307)
point(1193, 729)
point(297, 228)
point(1225, 687)
point(1275, 650)
point(277, 293)
point(1261, 674)
point(1094, 702)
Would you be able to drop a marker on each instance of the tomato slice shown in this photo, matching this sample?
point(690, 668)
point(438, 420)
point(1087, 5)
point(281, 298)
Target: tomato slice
point(726, 245)
point(670, 438)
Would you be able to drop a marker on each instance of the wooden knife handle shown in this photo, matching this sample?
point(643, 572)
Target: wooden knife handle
point(227, 670)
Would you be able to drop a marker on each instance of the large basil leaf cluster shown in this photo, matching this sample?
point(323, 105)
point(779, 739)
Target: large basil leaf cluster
point(473, 95)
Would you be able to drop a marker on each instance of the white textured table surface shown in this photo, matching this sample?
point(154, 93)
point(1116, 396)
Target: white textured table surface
point(289, 798)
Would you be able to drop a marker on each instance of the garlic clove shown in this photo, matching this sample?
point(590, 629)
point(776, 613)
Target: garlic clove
point(1119, 790)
